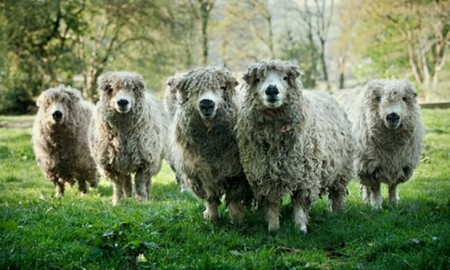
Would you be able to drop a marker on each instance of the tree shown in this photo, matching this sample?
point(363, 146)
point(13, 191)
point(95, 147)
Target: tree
point(244, 32)
point(302, 49)
point(45, 43)
point(37, 40)
point(418, 30)
point(113, 25)
point(201, 12)
point(317, 18)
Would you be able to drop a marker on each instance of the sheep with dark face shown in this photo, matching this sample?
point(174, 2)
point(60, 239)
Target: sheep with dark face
point(203, 139)
point(292, 142)
point(388, 130)
point(60, 138)
point(128, 134)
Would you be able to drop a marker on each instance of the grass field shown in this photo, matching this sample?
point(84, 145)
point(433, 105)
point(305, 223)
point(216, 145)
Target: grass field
point(38, 231)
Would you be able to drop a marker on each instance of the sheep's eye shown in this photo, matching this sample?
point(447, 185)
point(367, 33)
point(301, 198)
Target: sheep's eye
point(377, 99)
point(405, 99)
point(223, 88)
point(108, 88)
point(257, 80)
point(135, 89)
point(285, 78)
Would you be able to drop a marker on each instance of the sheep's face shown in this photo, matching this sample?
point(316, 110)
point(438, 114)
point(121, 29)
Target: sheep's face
point(392, 100)
point(121, 90)
point(272, 82)
point(206, 90)
point(57, 103)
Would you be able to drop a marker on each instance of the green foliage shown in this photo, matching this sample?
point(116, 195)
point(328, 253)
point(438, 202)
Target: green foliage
point(45, 43)
point(305, 54)
point(38, 231)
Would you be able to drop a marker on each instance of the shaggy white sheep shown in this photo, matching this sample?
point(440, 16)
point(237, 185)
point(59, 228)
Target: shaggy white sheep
point(203, 139)
point(388, 130)
point(128, 133)
point(60, 139)
point(292, 142)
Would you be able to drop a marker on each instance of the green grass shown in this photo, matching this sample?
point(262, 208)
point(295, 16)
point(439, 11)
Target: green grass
point(38, 231)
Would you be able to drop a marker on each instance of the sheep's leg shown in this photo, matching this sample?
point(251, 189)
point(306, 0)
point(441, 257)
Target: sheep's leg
point(375, 196)
point(93, 179)
point(126, 185)
point(212, 209)
point(82, 187)
point(300, 212)
point(59, 187)
point(236, 210)
point(142, 180)
point(149, 188)
point(117, 191)
point(365, 193)
point(393, 195)
point(273, 215)
point(336, 198)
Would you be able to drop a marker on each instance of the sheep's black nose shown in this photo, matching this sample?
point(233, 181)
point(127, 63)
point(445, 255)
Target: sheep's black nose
point(57, 115)
point(272, 91)
point(207, 107)
point(393, 117)
point(122, 102)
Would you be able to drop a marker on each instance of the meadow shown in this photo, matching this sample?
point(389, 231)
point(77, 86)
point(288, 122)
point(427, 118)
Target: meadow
point(38, 231)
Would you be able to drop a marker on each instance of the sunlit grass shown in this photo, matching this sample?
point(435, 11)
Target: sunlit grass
point(38, 231)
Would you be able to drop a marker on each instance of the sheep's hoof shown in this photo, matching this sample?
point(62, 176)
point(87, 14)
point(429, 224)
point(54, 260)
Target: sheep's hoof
point(273, 227)
point(237, 217)
point(303, 229)
point(115, 201)
point(213, 217)
point(377, 206)
point(141, 198)
point(236, 212)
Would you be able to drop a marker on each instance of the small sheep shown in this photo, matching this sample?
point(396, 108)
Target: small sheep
point(388, 130)
point(128, 133)
point(292, 142)
point(203, 139)
point(60, 138)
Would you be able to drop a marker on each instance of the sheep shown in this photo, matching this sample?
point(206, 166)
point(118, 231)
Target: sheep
point(204, 142)
point(128, 134)
point(60, 138)
point(387, 127)
point(292, 142)
point(170, 102)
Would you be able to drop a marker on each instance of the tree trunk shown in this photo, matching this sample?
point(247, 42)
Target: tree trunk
point(324, 64)
point(272, 53)
point(205, 9)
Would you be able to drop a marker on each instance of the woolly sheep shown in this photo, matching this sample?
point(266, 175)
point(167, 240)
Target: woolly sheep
point(292, 142)
point(60, 139)
point(204, 142)
point(128, 134)
point(170, 103)
point(388, 130)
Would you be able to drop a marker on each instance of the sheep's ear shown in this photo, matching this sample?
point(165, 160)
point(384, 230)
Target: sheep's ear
point(139, 82)
point(181, 84)
point(374, 84)
point(41, 99)
point(230, 79)
point(250, 74)
point(74, 94)
point(295, 72)
point(103, 82)
point(171, 81)
point(410, 89)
